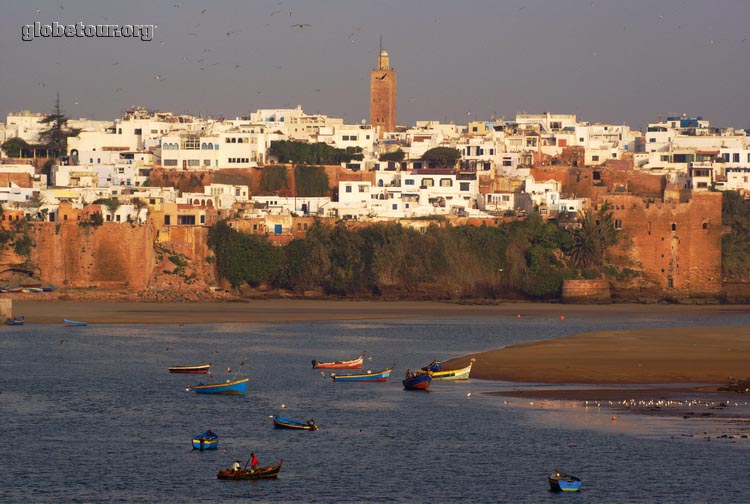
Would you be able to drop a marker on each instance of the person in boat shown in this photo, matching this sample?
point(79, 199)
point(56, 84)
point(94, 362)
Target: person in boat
point(408, 373)
point(236, 466)
point(253, 461)
point(210, 434)
point(311, 422)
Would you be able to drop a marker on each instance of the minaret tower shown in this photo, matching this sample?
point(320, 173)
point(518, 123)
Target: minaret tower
point(383, 94)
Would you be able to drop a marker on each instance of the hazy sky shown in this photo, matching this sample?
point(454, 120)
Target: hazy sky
point(615, 61)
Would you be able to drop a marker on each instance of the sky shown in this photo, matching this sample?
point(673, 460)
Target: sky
point(609, 61)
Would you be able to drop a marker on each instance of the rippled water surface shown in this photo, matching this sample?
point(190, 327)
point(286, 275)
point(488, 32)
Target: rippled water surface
point(91, 414)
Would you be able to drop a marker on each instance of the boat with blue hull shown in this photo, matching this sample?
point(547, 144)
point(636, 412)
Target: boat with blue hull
point(281, 422)
point(380, 376)
point(561, 482)
point(74, 323)
point(417, 381)
point(206, 441)
point(236, 387)
point(14, 321)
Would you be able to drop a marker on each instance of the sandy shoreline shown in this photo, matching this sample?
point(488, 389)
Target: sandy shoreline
point(695, 355)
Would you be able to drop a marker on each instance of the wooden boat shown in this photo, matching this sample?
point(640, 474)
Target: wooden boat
point(74, 323)
point(281, 422)
point(14, 321)
point(266, 472)
point(206, 441)
point(561, 482)
point(350, 364)
point(453, 374)
point(236, 387)
point(418, 381)
point(380, 376)
point(200, 369)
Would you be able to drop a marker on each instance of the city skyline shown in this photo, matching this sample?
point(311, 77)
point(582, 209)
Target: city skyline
point(603, 61)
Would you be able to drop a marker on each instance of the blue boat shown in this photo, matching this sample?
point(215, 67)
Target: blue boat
point(74, 323)
point(206, 441)
point(561, 482)
point(417, 381)
point(380, 376)
point(14, 321)
point(281, 422)
point(236, 387)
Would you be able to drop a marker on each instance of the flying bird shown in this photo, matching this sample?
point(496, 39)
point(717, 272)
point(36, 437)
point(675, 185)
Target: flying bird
point(300, 25)
point(203, 11)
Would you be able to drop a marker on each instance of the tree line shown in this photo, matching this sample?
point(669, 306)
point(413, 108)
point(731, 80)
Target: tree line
point(528, 258)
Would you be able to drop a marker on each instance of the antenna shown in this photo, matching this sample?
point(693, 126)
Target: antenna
point(381, 44)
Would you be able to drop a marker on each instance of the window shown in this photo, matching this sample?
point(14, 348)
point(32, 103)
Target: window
point(652, 140)
point(362, 188)
point(595, 158)
point(138, 131)
point(394, 206)
point(618, 224)
point(736, 157)
point(428, 182)
point(203, 219)
point(170, 162)
point(674, 227)
point(194, 162)
point(705, 225)
point(206, 162)
point(408, 181)
point(446, 182)
point(464, 186)
point(348, 188)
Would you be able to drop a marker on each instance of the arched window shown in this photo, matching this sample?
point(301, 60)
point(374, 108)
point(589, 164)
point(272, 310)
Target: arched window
point(380, 182)
point(196, 201)
point(674, 227)
point(204, 146)
point(234, 140)
point(618, 224)
point(210, 146)
point(705, 225)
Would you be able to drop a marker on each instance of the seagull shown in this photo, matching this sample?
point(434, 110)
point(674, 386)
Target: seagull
point(203, 11)
point(300, 25)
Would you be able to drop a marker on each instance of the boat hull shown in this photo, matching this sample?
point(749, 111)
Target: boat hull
point(74, 323)
point(564, 483)
point(453, 374)
point(350, 364)
point(286, 423)
point(380, 376)
point(418, 382)
point(205, 444)
point(231, 388)
point(14, 321)
point(267, 472)
point(201, 369)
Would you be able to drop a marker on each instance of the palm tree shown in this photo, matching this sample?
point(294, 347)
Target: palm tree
point(591, 240)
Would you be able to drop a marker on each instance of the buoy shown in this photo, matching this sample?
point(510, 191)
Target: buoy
point(614, 418)
point(229, 369)
point(468, 395)
point(283, 406)
point(562, 317)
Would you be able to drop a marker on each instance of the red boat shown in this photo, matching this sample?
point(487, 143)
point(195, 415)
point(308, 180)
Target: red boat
point(350, 364)
point(201, 369)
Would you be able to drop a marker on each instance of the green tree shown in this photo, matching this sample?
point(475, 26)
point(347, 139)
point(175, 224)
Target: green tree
point(13, 147)
point(591, 240)
point(56, 135)
point(243, 258)
point(442, 157)
point(397, 156)
point(273, 178)
point(735, 245)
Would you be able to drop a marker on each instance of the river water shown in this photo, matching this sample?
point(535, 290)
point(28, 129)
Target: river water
point(92, 415)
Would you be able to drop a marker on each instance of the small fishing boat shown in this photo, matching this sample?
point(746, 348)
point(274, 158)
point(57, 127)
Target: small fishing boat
point(14, 321)
point(417, 381)
point(561, 482)
point(74, 323)
point(206, 441)
point(200, 369)
point(266, 472)
point(350, 364)
point(452, 374)
point(236, 387)
point(281, 422)
point(380, 376)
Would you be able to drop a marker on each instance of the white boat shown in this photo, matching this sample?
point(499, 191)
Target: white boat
point(453, 374)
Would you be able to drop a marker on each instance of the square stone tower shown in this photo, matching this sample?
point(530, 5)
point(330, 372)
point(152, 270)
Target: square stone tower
point(383, 95)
